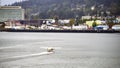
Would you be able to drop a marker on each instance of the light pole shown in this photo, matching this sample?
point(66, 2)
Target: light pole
point(108, 13)
point(92, 9)
point(76, 20)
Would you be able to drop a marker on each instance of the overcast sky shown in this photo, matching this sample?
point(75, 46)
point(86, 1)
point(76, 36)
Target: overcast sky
point(6, 2)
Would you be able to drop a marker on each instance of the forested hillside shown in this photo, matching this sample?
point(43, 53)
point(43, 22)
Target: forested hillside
point(67, 8)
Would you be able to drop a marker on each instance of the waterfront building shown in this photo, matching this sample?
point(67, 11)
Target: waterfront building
point(11, 13)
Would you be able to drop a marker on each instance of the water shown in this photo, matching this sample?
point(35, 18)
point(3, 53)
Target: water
point(72, 50)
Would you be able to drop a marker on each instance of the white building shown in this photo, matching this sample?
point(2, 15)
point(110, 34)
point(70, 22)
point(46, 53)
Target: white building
point(11, 13)
point(86, 17)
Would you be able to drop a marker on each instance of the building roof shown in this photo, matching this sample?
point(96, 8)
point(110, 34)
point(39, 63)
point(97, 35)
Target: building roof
point(10, 7)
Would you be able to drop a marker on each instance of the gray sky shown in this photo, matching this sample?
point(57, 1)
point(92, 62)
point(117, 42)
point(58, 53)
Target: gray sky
point(6, 2)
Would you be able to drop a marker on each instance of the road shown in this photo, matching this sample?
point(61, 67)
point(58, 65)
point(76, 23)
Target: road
point(72, 50)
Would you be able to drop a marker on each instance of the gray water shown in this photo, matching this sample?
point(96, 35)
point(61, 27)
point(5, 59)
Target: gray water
point(72, 50)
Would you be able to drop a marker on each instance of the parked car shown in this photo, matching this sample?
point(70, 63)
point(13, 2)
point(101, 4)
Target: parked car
point(15, 27)
point(116, 27)
point(101, 27)
point(66, 28)
point(80, 27)
point(51, 28)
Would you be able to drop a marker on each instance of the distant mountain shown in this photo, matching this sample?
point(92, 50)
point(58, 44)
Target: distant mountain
point(68, 8)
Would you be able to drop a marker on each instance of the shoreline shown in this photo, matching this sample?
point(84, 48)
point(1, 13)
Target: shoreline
point(62, 31)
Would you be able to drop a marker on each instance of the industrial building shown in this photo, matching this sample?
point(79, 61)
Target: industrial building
point(11, 13)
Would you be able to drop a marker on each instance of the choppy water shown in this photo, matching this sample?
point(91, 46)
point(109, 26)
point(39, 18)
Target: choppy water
point(72, 50)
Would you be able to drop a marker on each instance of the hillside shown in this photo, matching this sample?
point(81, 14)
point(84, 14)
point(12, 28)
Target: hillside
point(67, 8)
